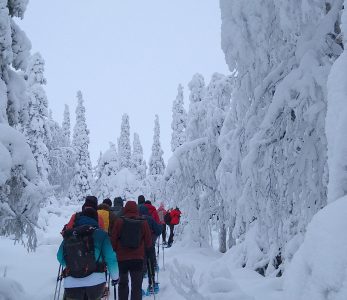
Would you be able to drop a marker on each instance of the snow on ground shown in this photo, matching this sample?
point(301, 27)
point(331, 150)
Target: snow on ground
point(202, 274)
point(318, 269)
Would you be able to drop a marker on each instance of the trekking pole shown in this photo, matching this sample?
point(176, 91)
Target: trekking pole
point(60, 280)
point(163, 248)
point(56, 285)
point(151, 274)
point(115, 292)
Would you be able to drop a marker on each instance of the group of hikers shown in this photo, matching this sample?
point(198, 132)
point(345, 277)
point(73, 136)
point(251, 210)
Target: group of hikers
point(104, 243)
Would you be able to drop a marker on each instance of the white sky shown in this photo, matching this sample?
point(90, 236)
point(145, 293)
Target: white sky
point(125, 56)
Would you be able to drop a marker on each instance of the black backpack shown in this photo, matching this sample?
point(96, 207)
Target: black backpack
point(167, 218)
point(79, 252)
point(131, 232)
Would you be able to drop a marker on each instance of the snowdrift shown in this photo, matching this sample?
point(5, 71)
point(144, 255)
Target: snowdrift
point(318, 269)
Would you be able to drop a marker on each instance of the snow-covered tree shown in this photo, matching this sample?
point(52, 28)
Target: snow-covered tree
point(37, 128)
point(66, 126)
point(20, 188)
point(273, 146)
point(191, 173)
point(156, 165)
point(124, 148)
point(82, 181)
point(179, 119)
point(138, 163)
point(61, 159)
point(107, 169)
point(156, 161)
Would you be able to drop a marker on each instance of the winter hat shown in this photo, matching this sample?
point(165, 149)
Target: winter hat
point(90, 212)
point(148, 202)
point(141, 199)
point(118, 201)
point(108, 202)
point(91, 201)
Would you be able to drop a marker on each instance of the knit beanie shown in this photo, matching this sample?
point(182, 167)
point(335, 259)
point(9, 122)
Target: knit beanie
point(91, 201)
point(141, 199)
point(108, 202)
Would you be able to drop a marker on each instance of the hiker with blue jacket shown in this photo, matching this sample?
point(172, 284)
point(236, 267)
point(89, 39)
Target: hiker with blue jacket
point(84, 275)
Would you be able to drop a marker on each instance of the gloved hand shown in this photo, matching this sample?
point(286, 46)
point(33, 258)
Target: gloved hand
point(114, 281)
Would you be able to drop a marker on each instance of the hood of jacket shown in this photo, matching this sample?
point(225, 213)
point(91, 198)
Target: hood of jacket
point(151, 208)
point(85, 220)
point(131, 210)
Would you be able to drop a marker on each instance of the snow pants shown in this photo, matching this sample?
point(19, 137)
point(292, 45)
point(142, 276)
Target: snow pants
point(163, 233)
point(134, 268)
point(170, 241)
point(94, 292)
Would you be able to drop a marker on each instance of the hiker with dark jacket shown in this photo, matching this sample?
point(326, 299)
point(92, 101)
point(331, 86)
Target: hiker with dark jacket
point(84, 278)
point(90, 201)
point(175, 215)
point(151, 261)
point(117, 208)
point(108, 217)
point(131, 236)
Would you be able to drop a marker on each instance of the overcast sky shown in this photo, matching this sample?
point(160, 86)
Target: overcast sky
point(125, 56)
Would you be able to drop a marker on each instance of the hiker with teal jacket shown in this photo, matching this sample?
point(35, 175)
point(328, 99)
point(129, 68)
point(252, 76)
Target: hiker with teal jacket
point(84, 275)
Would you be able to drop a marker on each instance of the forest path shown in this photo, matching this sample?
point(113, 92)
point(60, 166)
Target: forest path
point(212, 274)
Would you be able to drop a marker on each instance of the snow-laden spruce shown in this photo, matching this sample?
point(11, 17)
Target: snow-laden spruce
point(139, 166)
point(273, 145)
point(156, 165)
point(190, 177)
point(61, 158)
point(82, 181)
point(179, 120)
point(37, 131)
point(124, 148)
point(106, 172)
point(66, 127)
point(21, 190)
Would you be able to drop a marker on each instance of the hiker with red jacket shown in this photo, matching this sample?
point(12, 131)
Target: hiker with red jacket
point(130, 237)
point(161, 214)
point(90, 201)
point(152, 210)
point(175, 216)
point(108, 216)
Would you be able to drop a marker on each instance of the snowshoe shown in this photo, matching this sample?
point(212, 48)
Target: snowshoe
point(153, 290)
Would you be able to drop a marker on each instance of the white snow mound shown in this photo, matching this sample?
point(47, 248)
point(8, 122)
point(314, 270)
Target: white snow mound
point(318, 269)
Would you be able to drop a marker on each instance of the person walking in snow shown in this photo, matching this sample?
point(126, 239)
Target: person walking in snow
point(175, 216)
point(84, 254)
point(90, 201)
point(150, 263)
point(130, 237)
point(161, 214)
point(141, 200)
point(108, 217)
point(152, 210)
point(117, 208)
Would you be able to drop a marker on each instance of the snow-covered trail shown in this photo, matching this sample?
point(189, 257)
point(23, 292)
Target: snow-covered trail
point(212, 279)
